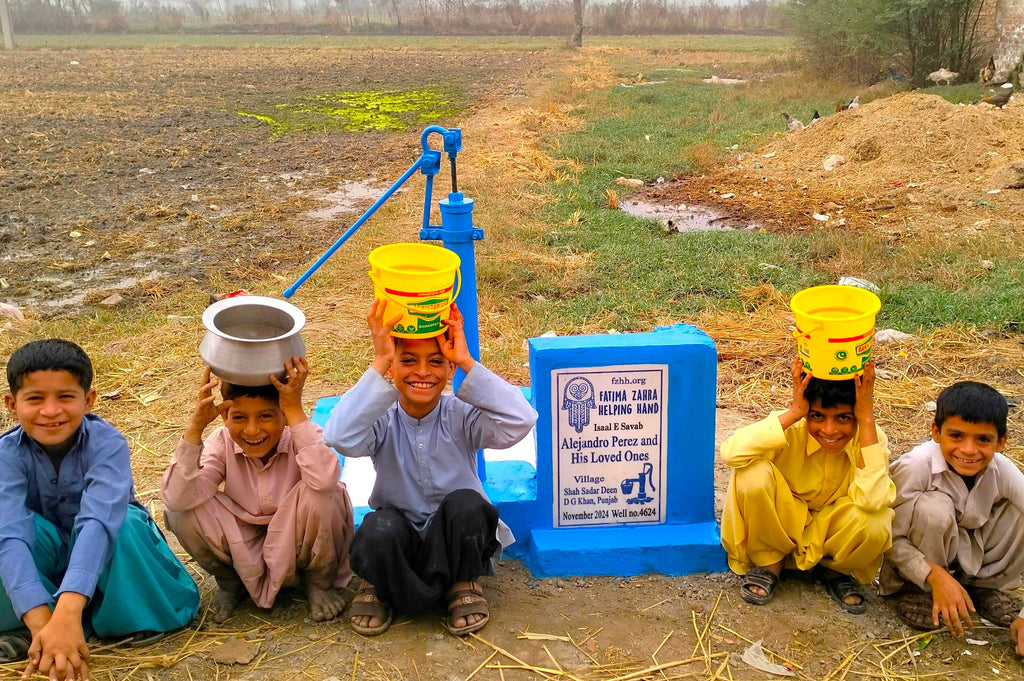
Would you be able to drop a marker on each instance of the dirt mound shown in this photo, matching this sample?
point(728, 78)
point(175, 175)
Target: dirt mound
point(908, 136)
point(904, 153)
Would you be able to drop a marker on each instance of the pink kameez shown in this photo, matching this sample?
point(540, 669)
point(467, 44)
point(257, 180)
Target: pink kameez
point(268, 520)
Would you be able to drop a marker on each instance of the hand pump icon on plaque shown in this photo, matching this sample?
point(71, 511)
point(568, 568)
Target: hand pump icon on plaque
point(645, 478)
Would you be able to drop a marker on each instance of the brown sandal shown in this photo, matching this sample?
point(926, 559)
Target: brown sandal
point(994, 605)
point(463, 602)
point(914, 608)
point(366, 603)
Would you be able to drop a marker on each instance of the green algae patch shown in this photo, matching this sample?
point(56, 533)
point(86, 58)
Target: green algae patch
point(371, 111)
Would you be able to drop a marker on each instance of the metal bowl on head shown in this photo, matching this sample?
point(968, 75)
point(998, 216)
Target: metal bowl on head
point(248, 338)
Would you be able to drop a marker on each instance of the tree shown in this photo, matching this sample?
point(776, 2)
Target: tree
point(864, 39)
point(5, 25)
point(577, 15)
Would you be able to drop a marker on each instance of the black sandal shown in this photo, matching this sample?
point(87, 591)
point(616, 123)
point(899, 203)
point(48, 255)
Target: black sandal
point(840, 587)
point(994, 605)
point(14, 647)
point(760, 577)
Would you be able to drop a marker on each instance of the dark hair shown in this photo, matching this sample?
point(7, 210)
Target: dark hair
point(973, 402)
point(831, 393)
point(230, 391)
point(440, 338)
point(52, 354)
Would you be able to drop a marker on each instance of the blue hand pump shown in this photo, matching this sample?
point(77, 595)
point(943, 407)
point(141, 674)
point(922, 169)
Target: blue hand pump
point(456, 233)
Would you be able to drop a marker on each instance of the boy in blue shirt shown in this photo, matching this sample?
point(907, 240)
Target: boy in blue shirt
point(78, 553)
point(432, 531)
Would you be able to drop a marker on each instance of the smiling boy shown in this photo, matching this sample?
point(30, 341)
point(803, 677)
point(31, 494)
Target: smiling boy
point(258, 504)
point(810, 490)
point(432, 531)
point(958, 536)
point(78, 553)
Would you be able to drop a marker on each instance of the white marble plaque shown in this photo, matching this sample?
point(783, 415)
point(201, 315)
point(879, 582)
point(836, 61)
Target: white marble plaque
point(609, 440)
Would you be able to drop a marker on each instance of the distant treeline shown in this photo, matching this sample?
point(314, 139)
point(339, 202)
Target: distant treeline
point(414, 17)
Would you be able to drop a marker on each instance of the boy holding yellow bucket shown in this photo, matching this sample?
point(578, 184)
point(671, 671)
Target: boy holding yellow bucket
point(432, 531)
point(810, 488)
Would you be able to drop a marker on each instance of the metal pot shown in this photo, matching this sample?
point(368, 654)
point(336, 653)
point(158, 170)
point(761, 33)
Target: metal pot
point(248, 338)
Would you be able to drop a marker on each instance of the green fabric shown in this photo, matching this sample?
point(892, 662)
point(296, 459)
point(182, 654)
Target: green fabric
point(143, 588)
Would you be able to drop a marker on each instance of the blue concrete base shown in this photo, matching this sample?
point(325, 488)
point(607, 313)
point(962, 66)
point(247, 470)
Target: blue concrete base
point(640, 549)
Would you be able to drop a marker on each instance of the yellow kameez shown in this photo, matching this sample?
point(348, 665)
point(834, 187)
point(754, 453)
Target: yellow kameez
point(790, 500)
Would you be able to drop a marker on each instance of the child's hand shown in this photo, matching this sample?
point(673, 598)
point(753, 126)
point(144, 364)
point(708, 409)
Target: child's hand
point(289, 395)
point(1017, 635)
point(58, 650)
point(950, 600)
point(453, 346)
point(206, 410)
point(383, 341)
point(864, 409)
point(799, 406)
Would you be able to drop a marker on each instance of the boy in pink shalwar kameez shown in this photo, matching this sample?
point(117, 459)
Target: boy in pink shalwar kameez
point(282, 519)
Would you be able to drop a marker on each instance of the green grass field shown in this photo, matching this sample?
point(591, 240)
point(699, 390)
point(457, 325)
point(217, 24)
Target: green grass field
point(650, 132)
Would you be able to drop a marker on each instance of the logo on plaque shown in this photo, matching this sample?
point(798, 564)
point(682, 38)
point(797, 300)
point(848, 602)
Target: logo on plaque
point(578, 400)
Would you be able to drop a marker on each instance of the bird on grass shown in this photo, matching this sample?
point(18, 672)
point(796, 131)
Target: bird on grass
point(943, 75)
point(815, 118)
point(793, 123)
point(1000, 97)
point(988, 72)
point(852, 104)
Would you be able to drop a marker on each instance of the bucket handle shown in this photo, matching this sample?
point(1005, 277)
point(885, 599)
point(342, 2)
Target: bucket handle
point(797, 333)
point(374, 278)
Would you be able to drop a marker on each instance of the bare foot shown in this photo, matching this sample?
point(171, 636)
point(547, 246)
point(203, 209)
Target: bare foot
point(224, 603)
point(324, 603)
point(473, 617)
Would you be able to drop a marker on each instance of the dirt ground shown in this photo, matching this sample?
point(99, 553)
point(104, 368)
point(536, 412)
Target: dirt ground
point(129, 172)
point(141, 154)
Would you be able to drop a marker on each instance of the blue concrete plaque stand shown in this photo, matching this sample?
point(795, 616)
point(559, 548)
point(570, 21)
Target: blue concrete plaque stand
point(612, 406)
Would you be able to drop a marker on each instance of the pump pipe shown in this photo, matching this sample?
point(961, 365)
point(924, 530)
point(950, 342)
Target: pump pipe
point(428, 163)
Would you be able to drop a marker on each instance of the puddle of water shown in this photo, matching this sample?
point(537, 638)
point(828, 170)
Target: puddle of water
point(351, 196)
point(715, 80)
point(694, 218)
point(76, 299)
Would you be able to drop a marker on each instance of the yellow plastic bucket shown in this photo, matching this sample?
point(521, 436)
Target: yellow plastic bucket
point(418, 281)
point(835, 329)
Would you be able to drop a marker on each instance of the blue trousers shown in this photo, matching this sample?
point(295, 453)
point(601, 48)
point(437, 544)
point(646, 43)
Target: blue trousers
point(144, 586)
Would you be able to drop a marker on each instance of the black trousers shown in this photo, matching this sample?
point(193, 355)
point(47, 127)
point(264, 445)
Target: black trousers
point(413, 574)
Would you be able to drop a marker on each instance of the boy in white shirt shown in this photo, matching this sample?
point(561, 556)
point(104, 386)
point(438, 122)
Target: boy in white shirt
point(958, 536)
point(432, 531)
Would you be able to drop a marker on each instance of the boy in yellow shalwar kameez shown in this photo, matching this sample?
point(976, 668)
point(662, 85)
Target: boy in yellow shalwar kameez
point(810, 489)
